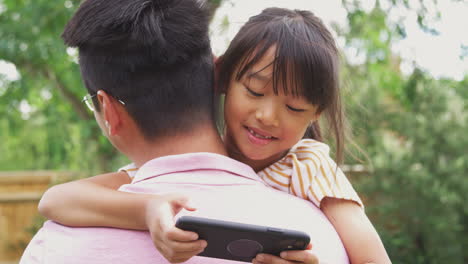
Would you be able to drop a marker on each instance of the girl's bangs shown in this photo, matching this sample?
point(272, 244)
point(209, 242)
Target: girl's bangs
point(287, 76)
point(304, 68)
point(303, 65)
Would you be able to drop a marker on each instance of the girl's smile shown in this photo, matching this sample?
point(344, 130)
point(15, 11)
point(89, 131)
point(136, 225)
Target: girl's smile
point(259, 137)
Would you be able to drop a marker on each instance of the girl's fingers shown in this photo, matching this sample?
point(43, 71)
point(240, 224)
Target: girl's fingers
point(187, 246)
point(254, 261)
point(303, 256)
point(269, 259)
point(178, 202)
point(180, 235)
point(166, 217)
point(184, 256)
point(176, 252)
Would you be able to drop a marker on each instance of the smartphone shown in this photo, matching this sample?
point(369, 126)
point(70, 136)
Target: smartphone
point(242, 242)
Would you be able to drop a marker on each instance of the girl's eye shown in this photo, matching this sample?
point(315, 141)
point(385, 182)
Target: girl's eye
point(295, 109)
point(253, 93)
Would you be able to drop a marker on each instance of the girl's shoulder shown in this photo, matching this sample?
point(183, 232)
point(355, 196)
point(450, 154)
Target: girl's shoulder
point(305, 153)
point(131, 169)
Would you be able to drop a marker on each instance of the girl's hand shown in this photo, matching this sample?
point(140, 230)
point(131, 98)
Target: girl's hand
point(288, 257)
point(175, 244)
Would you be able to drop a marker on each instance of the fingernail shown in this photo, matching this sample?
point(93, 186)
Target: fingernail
point(260, 258)
point(204, 244)
point(283, 254)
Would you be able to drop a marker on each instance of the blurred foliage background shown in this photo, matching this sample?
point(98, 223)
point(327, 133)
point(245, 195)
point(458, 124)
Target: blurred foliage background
point(413, 128)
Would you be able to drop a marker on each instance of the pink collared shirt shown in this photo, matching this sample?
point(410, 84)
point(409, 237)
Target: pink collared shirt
point(218, 186)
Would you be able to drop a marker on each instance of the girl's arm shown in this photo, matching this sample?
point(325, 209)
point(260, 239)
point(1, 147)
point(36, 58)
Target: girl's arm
point(95, 201)
point(359, 236)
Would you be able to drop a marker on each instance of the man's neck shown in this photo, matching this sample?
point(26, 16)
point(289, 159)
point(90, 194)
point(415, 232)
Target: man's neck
point(201, 139)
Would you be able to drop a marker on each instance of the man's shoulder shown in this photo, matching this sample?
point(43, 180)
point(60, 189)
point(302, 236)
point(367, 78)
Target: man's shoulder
point(191, 162)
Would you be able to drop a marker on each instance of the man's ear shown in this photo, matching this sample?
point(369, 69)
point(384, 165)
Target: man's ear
point(110, 112)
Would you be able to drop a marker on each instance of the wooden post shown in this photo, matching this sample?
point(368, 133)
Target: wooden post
point(20, 192)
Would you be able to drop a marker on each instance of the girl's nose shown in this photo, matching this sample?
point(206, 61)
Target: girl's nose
point(267, 115)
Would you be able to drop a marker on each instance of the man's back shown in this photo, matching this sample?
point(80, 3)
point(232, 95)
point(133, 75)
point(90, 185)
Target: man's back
point(219, 187)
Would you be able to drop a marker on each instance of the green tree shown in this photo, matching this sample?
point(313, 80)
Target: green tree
point(44, 124)
point(413, 129)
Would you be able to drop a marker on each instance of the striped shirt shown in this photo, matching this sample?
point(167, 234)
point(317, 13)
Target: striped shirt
point(307, 171)
point(130, 169)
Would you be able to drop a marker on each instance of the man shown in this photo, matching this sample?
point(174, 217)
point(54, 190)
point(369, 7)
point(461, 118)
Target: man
point(147, 66)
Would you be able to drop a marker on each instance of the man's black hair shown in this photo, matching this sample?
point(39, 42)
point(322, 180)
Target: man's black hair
point(154, 55)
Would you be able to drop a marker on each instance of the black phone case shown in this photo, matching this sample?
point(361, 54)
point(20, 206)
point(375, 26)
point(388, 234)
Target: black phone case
point(242, 242)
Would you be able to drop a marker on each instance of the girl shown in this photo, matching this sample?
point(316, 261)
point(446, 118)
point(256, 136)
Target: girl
point(279, 74)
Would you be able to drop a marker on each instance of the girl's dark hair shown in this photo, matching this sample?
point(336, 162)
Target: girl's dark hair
point(306, 63)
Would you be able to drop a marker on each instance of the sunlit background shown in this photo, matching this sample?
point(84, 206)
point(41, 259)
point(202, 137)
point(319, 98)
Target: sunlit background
point(405, 85)
point(442, 53)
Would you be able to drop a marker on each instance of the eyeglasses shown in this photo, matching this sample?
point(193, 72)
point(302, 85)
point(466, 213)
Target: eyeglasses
point(87, 99)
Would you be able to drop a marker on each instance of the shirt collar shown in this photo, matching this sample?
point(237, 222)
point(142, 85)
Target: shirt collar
point(194, 161)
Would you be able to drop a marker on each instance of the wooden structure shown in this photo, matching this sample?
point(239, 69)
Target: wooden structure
point(20, 192)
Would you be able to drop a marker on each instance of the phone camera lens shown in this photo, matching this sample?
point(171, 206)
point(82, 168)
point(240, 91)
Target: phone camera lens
point(299, 244)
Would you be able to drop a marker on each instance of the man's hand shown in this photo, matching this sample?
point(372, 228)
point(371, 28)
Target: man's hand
point(175, 244)
point(288, 257)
